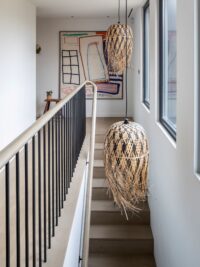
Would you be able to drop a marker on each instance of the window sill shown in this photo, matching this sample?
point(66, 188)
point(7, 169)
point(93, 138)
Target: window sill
point(167, 135)
point(197, 175)
point(146, 107)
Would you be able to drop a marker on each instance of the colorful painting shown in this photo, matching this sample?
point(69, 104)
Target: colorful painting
point(83, 57)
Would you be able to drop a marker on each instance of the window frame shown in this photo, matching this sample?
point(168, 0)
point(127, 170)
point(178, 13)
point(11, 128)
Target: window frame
point(164, 123)
point(197, 91)
point(145, 101)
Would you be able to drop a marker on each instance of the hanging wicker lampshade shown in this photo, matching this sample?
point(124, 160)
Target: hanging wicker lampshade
point(119, 46)
point(126, 157)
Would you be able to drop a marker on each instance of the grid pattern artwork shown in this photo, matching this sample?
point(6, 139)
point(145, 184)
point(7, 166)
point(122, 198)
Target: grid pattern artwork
point(83, 56)
point(70, 67)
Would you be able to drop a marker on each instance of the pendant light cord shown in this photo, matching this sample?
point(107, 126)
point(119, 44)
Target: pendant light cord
point(126, 22)
point(119, 11)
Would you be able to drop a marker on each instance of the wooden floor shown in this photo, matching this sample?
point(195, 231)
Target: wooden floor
point(114, 241)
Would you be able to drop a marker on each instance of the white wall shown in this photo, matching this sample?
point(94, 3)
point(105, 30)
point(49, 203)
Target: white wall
point(17, 68)
point(174, 188)
point(48, 61)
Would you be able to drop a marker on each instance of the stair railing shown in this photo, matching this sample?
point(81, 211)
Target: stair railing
point(89, 183)
point(39, 165)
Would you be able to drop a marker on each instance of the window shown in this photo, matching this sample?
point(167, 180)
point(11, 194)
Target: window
point(167, 65)
point(146, 90)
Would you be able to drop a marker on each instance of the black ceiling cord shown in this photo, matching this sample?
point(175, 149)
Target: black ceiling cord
point(126, 78)
point(119, 12)
point(130, 12)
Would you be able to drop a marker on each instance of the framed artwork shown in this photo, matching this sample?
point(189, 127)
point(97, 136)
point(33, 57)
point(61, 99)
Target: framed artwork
point(83, 56)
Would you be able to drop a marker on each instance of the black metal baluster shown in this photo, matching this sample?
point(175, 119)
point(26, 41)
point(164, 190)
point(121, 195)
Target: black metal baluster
point(71, 153)
point(39, 202)
point(68, 145)
point(61, 157)
point(80, 126)
point(44, 196)
point(77, 125)
point(26, 208)
point(17, 212)
point(75, 130)
point(49, 188)
point(59, 191)
point(7, 206)
point(70, 141)
point(33, 202)
point(56, 135)
point(73, 135)
point(66, 158)
point(53, 177)
point(84, 114)
point(64, 151)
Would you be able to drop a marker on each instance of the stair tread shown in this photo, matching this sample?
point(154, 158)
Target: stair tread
point(99, 183)
point(99, 260)
point(99, 146)
point(98, 163)
point(121, 232)
point(108, 206)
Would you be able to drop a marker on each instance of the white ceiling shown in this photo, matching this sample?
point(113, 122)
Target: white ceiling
point(82, 8)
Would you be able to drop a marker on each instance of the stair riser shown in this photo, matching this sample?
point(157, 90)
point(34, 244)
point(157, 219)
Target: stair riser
point(98, 154)
point(100, 138)
point(121, 247)
point(99, 172)
point(116, 218)
point(100, 194)
point(143, 260)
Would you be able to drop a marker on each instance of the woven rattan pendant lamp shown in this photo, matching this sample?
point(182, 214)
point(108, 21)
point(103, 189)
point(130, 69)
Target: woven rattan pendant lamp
point(119, 45)
point(126, 157)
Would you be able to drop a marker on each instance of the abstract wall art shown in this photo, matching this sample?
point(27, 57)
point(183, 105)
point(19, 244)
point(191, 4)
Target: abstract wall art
point(83, 56)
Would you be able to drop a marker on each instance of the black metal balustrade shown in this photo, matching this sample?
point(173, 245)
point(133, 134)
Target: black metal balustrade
point(46, 162)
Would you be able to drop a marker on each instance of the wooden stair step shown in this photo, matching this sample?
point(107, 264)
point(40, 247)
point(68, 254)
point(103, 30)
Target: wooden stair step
point(100, 182)
point(121, 239)
point(99, 151)
point(101, 260)
point(99, 146)
point(106, 212)
point(99, 171)
point(100, 190)
point(99, 138)
point(98, 163)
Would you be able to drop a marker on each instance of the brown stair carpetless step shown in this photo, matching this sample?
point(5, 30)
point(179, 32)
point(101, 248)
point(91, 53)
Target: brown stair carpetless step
point(100, 189)
point(99, 151)
point(99, 154)
point(121, 239)
point(99, 172)
point(100, 138)
point(106, 212)
point(101, 260)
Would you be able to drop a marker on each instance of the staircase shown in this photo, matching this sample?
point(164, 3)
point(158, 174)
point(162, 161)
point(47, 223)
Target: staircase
point(114, 241)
